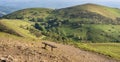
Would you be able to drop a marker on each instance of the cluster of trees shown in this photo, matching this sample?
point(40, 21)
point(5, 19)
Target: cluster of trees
point(36, 19)
point(32, 30)
point(14, 16)
point(51, 28)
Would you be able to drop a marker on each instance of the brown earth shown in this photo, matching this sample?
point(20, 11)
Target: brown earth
point(19, 51)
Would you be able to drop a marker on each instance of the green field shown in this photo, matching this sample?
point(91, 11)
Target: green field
point(108, 49)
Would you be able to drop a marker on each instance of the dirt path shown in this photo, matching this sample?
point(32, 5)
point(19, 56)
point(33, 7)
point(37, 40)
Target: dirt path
point(19, 51)
point(77, 55)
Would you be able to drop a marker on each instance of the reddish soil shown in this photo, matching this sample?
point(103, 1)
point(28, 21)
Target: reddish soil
point(19, 51)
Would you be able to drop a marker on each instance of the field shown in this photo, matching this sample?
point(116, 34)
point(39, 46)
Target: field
point(108, 49)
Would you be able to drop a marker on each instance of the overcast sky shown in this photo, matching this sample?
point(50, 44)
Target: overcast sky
point(56, 3)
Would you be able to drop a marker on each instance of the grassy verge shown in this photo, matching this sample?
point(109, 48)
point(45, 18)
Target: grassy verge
point(14, 37)
point(109, 49)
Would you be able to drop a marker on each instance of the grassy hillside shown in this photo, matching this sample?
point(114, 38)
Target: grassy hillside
point(19, 28)
point(86, 13)
point(89, 27)
point(103, 10)
point(64, 30)
point(30, 14)
point(90, 13)
point(108, 49)
point(93, 32)
point(88, 22)
point(99, 9)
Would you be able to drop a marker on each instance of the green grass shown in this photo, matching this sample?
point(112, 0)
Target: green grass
point(103, 10)
point(99, 9)
point(15, 25)
point(88, 22)
point(105, 32)
point(108, 49)
point(7, 36)
point(94, 32)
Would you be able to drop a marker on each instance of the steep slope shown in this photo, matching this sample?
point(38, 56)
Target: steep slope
point(19, 28)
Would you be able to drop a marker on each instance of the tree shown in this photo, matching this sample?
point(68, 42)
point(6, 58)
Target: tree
point(39, 27)
point(34, 20)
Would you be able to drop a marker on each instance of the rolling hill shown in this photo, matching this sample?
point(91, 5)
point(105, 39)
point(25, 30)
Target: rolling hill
point(90, 13)
point(30, 14)
point(86, 13)
point(91, 31)
point(99, 9)
point(84, 23)
point(19, 28)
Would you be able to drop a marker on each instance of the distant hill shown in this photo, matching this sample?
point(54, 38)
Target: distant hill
point(86, 13)
point(87, 22)
point(90, 13)
point(30, 14)
point(6, 10)
point(1, 14)
point(99, 9)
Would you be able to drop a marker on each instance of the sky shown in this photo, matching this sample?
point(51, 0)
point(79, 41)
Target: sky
point(55, 4)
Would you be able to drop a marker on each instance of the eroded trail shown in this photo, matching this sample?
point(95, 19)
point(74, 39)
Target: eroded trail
point(19, 51)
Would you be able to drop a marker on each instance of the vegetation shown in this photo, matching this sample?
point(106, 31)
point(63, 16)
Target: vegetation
point(108, 49)
point(85, 23)
point(78, 23)
point(61, 31)
point(19, 28)
point(31, 14)
point(89, 13)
